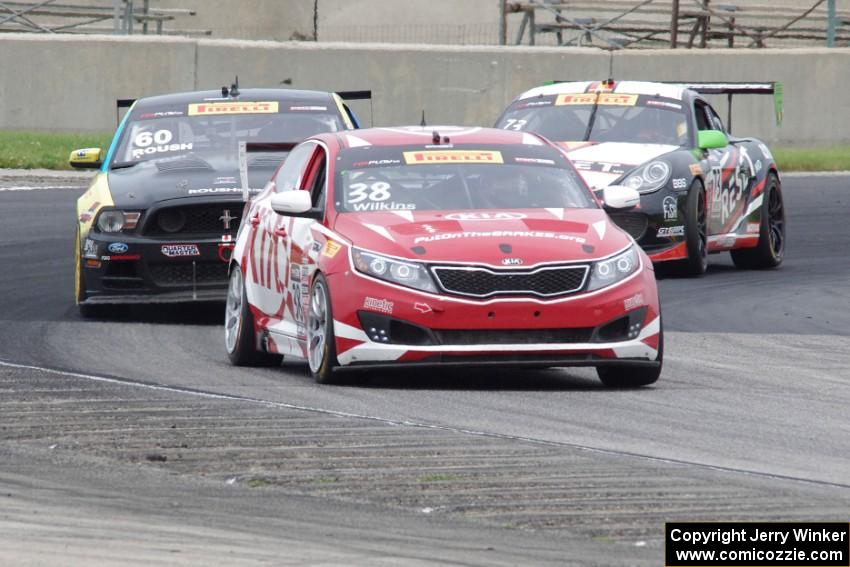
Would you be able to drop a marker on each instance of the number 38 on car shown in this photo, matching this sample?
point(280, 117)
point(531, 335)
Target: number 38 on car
point(415, 247)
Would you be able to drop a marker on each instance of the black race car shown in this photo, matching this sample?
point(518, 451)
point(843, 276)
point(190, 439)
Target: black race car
point(702, 190)
point(159, 220)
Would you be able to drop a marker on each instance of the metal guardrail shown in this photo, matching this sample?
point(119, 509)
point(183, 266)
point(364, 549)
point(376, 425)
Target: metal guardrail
point(127, 16)
point(616, 24)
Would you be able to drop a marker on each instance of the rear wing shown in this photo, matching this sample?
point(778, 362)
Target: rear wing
point(730, 89)
point(246, 148)
point(122, 103)
point(738, 88)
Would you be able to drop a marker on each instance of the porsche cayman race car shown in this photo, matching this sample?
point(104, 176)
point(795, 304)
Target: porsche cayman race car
point(409, 247)
point(702, 189)
point(159, 220)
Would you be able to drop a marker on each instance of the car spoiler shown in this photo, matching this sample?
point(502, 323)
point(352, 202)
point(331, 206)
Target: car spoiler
point(355, 95)
point(246, 148)
point(737, 88)
point(122, 103)
point(730, 89)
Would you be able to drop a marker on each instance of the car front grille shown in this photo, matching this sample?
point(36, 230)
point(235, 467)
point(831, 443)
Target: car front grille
point(633, 223)
point(195, 219)
point(184, 273)
point(484, 282)
point(513, 337)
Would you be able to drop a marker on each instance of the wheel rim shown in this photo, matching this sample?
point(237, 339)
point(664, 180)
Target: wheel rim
point(776, 224)
point(702, 228)
point(233, 310)
point(317, 320)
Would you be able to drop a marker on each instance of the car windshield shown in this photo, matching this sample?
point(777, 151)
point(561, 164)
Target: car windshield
point(617, 118)
point(458, 179)
point(153, 134)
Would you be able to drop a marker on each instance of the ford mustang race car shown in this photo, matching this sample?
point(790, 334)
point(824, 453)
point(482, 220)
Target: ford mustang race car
point(159, 219)
point(415, 247)
point(702, 190)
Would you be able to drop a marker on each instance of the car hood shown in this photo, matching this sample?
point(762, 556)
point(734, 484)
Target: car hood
point(497, 238)
point(190, 176)
point(600, 164)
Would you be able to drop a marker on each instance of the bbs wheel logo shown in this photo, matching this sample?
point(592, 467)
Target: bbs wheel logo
point(670, 208)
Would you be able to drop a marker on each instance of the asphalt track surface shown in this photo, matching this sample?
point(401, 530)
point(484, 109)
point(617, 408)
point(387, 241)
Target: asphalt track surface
point(132, 437)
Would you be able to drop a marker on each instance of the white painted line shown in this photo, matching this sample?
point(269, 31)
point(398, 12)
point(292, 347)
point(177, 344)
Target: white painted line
point(42, 188)
point(416, 424)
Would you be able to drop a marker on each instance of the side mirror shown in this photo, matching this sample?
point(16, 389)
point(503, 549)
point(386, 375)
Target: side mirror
point(620, 197)
point(711, 139)
point(86, 158)
point(295, 204)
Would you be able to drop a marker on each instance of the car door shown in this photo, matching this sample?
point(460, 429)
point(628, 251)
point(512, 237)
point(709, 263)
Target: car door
point(267, 274)
point(728, 181)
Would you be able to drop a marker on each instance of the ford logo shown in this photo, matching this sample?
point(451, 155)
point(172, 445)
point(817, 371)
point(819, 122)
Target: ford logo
point(118, 248)
point(489, 216)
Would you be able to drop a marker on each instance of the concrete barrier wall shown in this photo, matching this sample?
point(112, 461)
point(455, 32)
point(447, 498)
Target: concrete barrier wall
point(71, 83)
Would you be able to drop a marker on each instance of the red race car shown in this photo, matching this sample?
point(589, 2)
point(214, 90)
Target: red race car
point(420, 247)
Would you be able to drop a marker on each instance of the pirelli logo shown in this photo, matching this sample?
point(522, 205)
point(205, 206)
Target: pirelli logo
point(605, 99)
point(452, 156)
point(248, 107)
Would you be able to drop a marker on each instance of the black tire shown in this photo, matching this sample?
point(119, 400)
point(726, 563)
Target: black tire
point(321, 344)
point(631, 376)
point(696, 233)
point(771, 247)
point(240, 341)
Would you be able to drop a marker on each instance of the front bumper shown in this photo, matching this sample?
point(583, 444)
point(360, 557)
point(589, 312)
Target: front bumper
point(147, 270)
point(383, 325)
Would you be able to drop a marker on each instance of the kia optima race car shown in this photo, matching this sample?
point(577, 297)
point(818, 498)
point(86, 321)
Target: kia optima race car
point(702, 190)
point(413, 247)
point(159, 220)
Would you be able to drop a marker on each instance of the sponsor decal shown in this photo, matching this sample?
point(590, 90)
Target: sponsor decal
point(227, 238)
point(758, 166)
point(331, 248)
point(422, 307)
point(695, 169)
point(376, 162)
point(753, 227)
point(308, 108)
point(429, 229)
point(86, 216)
point(225, 181)
point(765, 152)
point(634, 301)
point(512, 261)
point(485, 216)
point(681, 129)
point(90, 248)
point(602, 166)
point(605, 99)
point(501, 234)
point(534, 103)
point(247, 107)
point(178, 250)
point(452, 156)
point(140, 152)
point(668, 231)
point(382, 305)
point(117, 248)
point(295, 273)
point(535, 160)
point(164, 114)
point(680, 183)
point(669, 205)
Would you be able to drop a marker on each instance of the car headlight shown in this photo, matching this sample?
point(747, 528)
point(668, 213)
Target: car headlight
point(649, 177)
point(115, 221)
point(613, 270)
point(409, 274)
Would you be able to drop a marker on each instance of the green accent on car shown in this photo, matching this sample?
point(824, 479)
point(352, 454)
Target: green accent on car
point(711, 139)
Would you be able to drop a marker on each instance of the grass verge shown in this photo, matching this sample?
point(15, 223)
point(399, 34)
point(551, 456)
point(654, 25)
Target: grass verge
point(49, 150)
